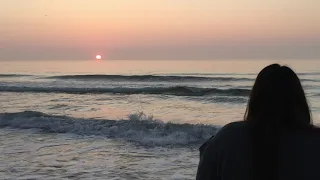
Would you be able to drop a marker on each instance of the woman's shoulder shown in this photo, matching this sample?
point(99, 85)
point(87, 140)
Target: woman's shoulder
point(233, 128)
point(236, 124)
point(227, 134)
point(315, 129)
point(314, 134)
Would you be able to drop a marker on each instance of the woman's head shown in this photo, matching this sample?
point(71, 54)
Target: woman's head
point(277, 102)
point(277, 99)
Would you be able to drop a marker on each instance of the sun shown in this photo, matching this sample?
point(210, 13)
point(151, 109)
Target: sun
point(98, 57)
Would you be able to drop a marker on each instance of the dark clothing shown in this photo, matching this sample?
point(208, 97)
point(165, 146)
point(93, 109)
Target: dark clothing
point(228, 155)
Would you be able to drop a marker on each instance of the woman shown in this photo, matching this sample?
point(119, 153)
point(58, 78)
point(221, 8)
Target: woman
point(275, 141)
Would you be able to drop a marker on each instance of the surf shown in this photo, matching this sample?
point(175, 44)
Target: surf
point(138, 128)
point(173, 90)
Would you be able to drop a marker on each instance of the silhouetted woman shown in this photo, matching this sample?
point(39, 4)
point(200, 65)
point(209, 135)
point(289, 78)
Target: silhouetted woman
point(276, 141)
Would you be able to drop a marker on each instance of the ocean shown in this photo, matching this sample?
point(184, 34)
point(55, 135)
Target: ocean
point(108, 119)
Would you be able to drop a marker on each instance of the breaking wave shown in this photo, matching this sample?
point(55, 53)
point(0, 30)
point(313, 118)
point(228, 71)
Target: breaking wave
point(139, 128)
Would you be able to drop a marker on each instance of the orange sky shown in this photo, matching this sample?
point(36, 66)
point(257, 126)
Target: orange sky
point(125, 29)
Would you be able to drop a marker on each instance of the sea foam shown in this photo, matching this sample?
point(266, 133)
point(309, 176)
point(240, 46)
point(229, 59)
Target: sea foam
point(139, 128)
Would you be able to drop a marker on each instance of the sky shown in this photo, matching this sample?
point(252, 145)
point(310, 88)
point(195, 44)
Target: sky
point(159, 29)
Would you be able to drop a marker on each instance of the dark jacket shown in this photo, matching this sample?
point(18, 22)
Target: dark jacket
point(227, 156)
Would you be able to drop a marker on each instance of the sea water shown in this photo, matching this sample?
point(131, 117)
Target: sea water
point(123, 119)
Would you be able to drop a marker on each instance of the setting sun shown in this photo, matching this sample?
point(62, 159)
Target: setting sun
point(98, 57)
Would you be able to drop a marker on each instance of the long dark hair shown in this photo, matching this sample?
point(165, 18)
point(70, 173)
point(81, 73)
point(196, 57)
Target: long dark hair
point(277, 104)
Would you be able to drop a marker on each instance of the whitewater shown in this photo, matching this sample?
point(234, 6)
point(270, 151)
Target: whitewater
point(122, 119)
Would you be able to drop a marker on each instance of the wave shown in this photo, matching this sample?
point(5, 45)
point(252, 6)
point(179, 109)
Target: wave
point(309, 73)
point(309, 80)
point(139, 128)
point(232, 74)
point(148, 78)
point(13, 75)
point(220, 99)
point(175, 90)
point(163, 78)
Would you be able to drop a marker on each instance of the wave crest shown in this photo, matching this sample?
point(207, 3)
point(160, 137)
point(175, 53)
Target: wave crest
point(140, 128)
point(175, 90)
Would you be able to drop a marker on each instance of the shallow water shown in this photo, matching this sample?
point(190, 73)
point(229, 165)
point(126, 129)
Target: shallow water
point(28, 154)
